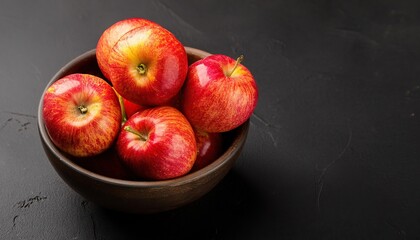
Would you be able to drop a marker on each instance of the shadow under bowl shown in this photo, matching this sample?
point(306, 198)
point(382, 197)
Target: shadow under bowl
point(131, 195)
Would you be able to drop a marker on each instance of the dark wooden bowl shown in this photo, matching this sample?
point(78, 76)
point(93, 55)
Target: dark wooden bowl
point(131, 195)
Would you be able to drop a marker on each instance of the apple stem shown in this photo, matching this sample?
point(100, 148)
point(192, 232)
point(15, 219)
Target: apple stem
point(122, 106)
point(238, 61)
point(82, 109)
point(142, 69)
point(133, 131)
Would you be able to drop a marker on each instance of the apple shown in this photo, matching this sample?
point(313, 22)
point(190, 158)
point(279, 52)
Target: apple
point(209, 147)
point(106, 164)
point(219, 94)
point(130, 108)
point(81, 114)
point(174, 101)
point(157, 143)
point(110, 36)
point(147, 65)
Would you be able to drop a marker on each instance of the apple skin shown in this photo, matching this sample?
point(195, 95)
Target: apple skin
point(209, 147)
point(106, 164)
point(166, 148)
point(147, 65)
point(174, 101)
point(76, 133)
point(215, 101)
point(131, 108)
point(111, 36)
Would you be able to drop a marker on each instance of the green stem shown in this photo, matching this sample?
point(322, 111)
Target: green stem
point(238, 61)
point(133, 131)
point(123, 113)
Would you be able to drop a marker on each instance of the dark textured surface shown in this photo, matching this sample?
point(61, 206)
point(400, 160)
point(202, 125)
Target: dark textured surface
point(333, 148)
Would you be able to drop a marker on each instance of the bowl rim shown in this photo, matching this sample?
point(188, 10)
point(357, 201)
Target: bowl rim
point(189, 177)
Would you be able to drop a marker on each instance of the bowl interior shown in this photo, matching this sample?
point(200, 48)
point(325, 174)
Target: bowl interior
point(123, 192)
point(86, 63)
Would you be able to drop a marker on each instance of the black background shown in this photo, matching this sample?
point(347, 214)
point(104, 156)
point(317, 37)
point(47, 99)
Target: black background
point(333, 148)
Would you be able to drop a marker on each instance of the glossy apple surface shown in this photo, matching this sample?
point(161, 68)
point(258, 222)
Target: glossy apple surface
point(219, 94)
point(131, 108)
point(81, 114)
point(110, 36)
point(147, 65)
point(157, 143)
point(209, 147)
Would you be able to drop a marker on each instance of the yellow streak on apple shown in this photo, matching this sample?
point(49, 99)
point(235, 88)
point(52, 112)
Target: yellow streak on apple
point(137, 51)
point(84, 119)
point(239, 71)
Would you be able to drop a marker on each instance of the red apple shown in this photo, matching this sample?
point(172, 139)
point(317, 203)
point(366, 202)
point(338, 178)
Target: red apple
point(82, 114)
point(130, 108)
point(209, 147)
point(157, 143)
point(174, 101)
point(147, 65)
point(106, 164)
point(219, 95)
point(111, 36)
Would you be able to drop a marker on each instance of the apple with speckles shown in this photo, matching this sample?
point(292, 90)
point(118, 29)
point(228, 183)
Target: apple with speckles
point(82, 114)
point(219, 94)
point(110, 37)
point(157, 143)
point(210, 147)
point(145, 62)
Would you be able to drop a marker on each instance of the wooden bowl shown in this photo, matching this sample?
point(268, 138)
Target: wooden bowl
point(131, 195)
